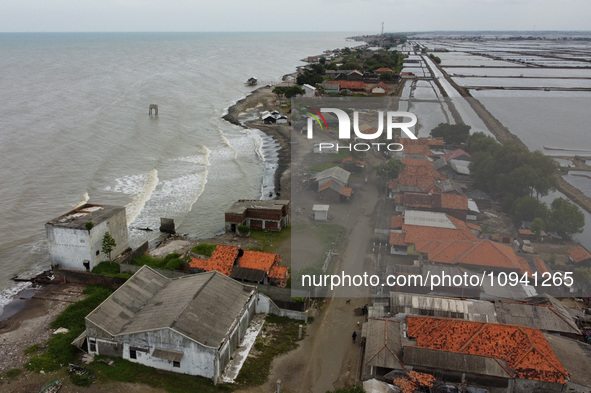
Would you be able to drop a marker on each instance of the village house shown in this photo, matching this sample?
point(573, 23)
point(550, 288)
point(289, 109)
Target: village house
point(481, 255)
point(379, 89)
point(270, 215)
point(332, 185)
point(190, 325)
point(417, 176)
point(309, 91)
point(354, 86)
point(476, 353)
point(454, 169)
point(454, 205)
point(75, 238)
point(579, 256)
point(419, 226)
point(243, 265)
point(330, 88)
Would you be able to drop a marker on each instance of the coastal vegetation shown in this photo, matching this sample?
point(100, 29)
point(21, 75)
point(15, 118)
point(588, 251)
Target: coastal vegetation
point(108, 244)
point(518, 178)
point(108, 268)
point(280, 335)
point(59, 351)
point(204, 249)
point(172, 261)
point(390, 169)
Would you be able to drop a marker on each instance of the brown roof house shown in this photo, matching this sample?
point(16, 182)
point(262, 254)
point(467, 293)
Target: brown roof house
point(190, 325)
point(333, 185)
point(579, 256)
point(270, 215)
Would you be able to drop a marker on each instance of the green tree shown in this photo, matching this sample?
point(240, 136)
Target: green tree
point(566, 218)
point(390, 169)
point(583, 276)
point(528, 208)
point(537, 226)
point(109, 244)
point(453, 134)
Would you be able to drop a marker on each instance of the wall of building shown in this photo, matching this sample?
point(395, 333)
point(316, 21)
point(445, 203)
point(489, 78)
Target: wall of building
point(70, 247)
point(267, 306)
point(531, 386)
point(87, 278)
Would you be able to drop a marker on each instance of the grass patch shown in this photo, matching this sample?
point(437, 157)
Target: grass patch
point(321, 167)
point(59, 350)
point(126, 371)
point(32, 349)
point(170, 262)
point(270, 241)
point(284, 338)
point(13, 373)
point(204, 249)
point(110, 269)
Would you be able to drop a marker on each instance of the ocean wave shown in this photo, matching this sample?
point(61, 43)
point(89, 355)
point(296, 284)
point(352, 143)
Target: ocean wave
point(85, 198)
point(135, 207)
point(8, 294)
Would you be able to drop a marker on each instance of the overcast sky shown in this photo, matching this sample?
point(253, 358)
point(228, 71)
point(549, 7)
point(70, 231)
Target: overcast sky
point(300, 15)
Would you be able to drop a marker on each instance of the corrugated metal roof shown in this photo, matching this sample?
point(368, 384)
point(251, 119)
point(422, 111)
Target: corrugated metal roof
point(383, 347)
point(473, 310)
point(425, 218)
point(336, 173)
point(536, 316)
point(202, 306)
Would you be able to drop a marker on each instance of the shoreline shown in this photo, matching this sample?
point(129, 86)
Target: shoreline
point(264, 97)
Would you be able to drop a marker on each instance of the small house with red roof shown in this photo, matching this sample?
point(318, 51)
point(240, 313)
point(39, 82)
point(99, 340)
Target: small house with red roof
point(579, 256)
point(332, 185)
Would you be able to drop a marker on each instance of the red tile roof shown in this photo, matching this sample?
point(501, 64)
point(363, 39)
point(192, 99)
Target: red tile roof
point(346, 191)
point(541, 266)
point(418, 173)
point(351, 85)
point(258, 260)
point(396, 222)
point(455, 154)
point(579, 254)
point(222, 260)
point(476, 253)
point(433, 201)
point(525, 232)
point(525, 350)
point(383, 69)
point(279, 272)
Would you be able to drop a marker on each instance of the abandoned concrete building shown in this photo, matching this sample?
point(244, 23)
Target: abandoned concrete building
point(190, 325)
point(270, 215)
point(75, 238)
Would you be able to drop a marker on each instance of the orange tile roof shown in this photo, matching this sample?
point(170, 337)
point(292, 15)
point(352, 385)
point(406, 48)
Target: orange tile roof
point(383, 69)
point(525, 350)
point(258, 260)
point(346, 191)
point(456, 202)
point(541, 266)
point(279, 272)
point(397, 239)
point(222, 260)
point(475, 253)
point(525, 232)
point(396, 222)
point(455, 154)
point(325, 186)
point(351, 85)
point(579, 254)
point(471, 225)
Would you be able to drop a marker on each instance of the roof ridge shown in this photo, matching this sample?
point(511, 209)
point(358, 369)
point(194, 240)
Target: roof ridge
point(212, 272)
point(463, 347)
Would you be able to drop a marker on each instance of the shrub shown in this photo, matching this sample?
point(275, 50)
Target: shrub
point(243, 230)
point(89, 225)
point(204, 249)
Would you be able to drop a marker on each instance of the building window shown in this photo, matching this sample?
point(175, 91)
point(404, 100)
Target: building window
point(176, 364)
point(132, 353)
point(92, 344)
point(97, 253)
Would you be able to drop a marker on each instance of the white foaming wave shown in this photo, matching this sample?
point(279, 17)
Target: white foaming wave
point(172, 198)
point(83, 201)
point(135, 207)
point(258, 146)
point(8, 294)
point(201, 159)
point(228, 144)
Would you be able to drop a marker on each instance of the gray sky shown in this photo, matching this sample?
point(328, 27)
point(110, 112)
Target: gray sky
point(299, 15)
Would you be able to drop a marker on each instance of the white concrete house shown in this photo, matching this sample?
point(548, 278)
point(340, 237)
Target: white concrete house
point(310, 91)
point(190, 325)
point(75, 238)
